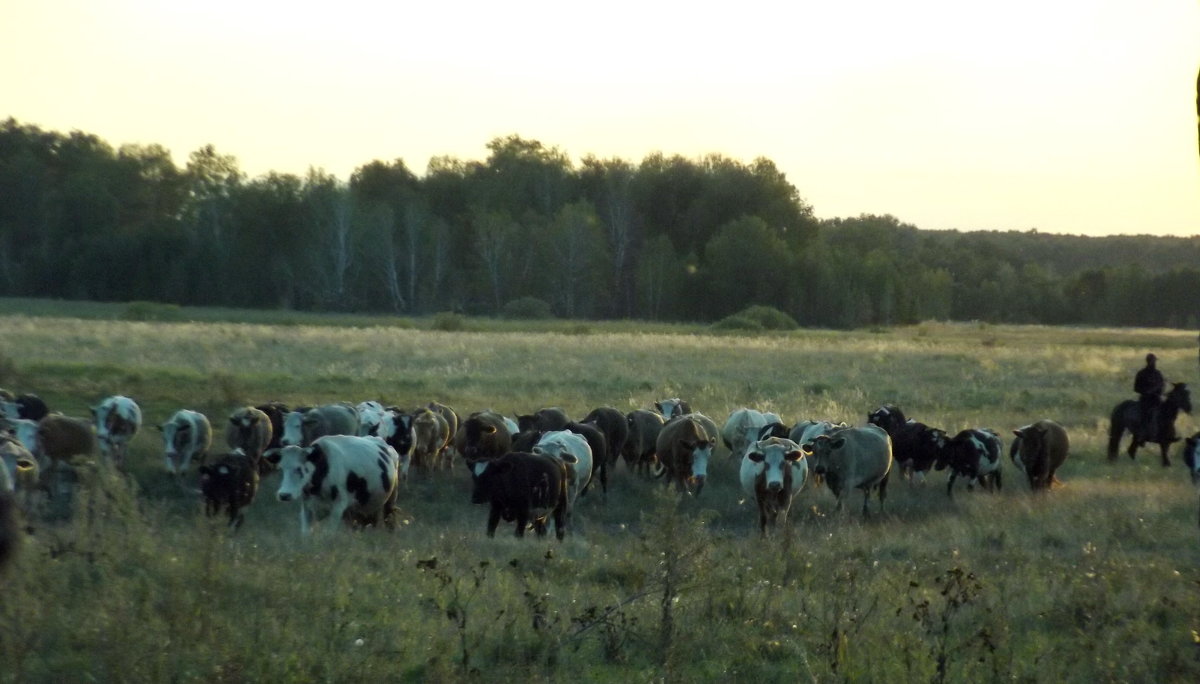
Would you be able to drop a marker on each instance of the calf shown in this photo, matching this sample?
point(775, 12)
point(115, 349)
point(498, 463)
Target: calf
point(774, 471)
point(523, 487)
point(430, 434)
point(347, 473)
point(684, 448)
point(483, 435)
point(232, 482)
point(117, 419)
point(303, 427)
point(1039, 450)
point(853, 458)
point(644, 428)
point(975, 455)
point(186, 435)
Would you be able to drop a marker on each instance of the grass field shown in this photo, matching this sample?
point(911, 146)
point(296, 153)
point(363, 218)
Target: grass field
point(1098, 580)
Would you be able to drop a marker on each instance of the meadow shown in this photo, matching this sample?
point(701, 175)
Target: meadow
point(1097, 580)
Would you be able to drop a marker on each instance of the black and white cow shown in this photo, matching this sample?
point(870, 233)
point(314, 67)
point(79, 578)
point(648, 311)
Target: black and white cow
point(672, 408)
point(24, 406)
point(522, 487)
point(186, 435)
point(975, 455)
point(346, 473)
point(118, 419)
point(371, 415)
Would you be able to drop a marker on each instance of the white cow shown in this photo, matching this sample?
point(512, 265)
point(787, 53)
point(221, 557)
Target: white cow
point(302, 427)
point(741, 430)
point(344, 473)
point(774, 471)
point(117, 420)
point(572, 449)
point(370, 418)
point(186, 435)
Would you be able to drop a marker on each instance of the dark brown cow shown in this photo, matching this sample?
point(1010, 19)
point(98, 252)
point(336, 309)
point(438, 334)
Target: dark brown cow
point(483, 435)
point(1039, 450)
point(684, 448)
point(644, 428)
point(251, 430)
point(522, 487)
point(230, 482)
point(276, 411)
point(615, 428)
point(545, 420)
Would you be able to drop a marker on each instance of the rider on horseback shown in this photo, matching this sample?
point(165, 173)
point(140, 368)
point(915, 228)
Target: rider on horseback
point(1149, 384)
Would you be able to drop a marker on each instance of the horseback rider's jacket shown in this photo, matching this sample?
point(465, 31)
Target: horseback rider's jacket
point(1149, 381)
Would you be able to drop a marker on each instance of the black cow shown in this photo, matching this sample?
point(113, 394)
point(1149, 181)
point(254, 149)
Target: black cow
point(888, 417)
point(232, 482)
point(523, 487)
point(546, 420)
point(276, 411)
point(916, 448)
point(599, 446)
point(24, 406)
point(615, 428)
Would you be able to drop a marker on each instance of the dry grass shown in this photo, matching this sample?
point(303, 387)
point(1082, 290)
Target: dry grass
point(1095, 580)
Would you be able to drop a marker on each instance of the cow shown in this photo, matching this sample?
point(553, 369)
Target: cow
point(644, 428)
point(741, 430)
point(10, 526)
point(396, 429)
point(853, 458)
point(916, 448)
point(613, 424)
point(349, 474)
point(975, 455)
point(522, 487)
point(275, 411)
point(370, 415)
point(24, 406)
point(56, 438)
point(230, 482)
point(598, 446)
point(672, 408)
point(889, 417)
point(774, 428)
point(303, 427)
point(117, 420)
point(562, 444)
point(250, 429)
point(1191, 457)
point(545, 420)
point(451, 417)
point(20, 467)
point(1039, 450)
point(483, 435)
point(684, 448)
point(774, 470)
point(186, 435)
point(430, 434)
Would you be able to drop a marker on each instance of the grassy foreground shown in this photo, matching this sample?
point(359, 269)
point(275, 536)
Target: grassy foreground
point(1096, 581)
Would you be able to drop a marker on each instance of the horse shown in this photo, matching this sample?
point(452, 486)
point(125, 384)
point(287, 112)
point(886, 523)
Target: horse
point(1126, 416)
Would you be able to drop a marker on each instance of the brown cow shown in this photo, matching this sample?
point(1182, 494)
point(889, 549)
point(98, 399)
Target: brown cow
point(684, 447)
point(483, 435)
point(527, 488)
point(251, 430)
point(430, 433)
point(644, 428)
point(1039, 450)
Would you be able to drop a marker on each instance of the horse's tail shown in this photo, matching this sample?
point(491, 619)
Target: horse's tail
point(1116, 426)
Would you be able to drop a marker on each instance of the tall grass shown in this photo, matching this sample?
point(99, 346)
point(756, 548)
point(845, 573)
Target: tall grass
point(1097, 580)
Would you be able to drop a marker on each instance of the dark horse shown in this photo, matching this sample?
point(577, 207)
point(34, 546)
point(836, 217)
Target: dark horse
point(1126, 416)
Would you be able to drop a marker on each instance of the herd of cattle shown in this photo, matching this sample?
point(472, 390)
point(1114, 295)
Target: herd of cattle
point(347, 461)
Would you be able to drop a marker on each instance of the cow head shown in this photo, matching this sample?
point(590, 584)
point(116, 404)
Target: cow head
point(303, 470)
point(293, 426)
point(177, 436)
point(888, 417)
point(777, 463)
point(484, 476)
point(824, 452)
point(700, 451)
point(672, 408)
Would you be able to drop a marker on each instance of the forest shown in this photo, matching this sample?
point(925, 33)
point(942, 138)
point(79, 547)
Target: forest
point(527, 232)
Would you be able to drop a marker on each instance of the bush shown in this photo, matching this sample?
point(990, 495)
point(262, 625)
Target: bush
point(152, 311)
point(757, 318)
point(448, 321)
point(527, 308)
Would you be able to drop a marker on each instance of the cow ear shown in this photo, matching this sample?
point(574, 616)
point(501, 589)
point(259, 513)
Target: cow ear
point(233, 420)
point(793, 456)
point(25, 464)
point(1018, 433)
point(837, 443)
point(755, 456)
point(272, 456)
point(806, 449)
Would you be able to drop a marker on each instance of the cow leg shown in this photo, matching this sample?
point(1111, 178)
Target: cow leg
point(1166, 461)
point(522, 522)
point(996, 475)
point(539, 526)
point(493, 520)
point(950, 484)
point(560, 515)
point(305, 518)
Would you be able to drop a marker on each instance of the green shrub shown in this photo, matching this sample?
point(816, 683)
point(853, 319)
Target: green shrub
point(769, 318)
point(448, 321)
point(527, 308)
point(737, 322)
point(152, 311)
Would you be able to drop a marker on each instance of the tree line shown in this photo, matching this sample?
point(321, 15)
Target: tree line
point(525, 231)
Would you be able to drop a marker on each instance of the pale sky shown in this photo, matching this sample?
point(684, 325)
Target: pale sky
point(1069, 116)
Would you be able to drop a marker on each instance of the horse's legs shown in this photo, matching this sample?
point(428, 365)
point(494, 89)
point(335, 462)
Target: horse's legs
point(1166, 461)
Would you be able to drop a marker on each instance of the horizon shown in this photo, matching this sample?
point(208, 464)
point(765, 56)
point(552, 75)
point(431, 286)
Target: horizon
point(1073, 119)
